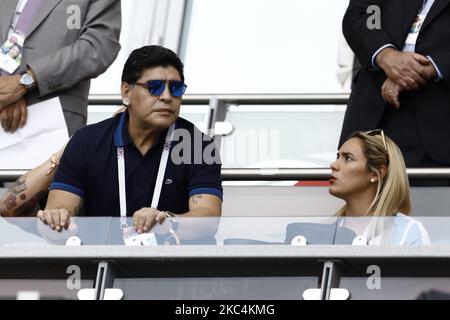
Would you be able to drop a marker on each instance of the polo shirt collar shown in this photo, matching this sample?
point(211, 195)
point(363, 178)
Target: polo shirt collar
point(122, 136)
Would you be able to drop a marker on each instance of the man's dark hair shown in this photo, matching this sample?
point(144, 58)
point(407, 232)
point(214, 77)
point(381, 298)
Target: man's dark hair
point(150, 57)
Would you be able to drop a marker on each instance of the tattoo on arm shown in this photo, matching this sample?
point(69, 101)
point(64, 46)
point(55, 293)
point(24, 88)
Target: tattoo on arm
point(14, 194)
point(196, 199)
point(10, 202)
point(31, 207)
point(19, 186)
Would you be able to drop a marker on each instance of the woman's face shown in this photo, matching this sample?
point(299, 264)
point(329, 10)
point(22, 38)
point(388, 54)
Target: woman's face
point(350, 175)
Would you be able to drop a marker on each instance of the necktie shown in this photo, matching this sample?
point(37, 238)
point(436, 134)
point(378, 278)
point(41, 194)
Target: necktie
point(25, 20)
point(27, 15)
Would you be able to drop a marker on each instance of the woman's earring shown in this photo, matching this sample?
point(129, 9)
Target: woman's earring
point(126, 102)
point(373, 180)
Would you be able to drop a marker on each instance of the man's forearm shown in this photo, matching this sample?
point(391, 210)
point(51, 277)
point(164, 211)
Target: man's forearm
point(197, 224)
point(201, 212)
point(59, 199)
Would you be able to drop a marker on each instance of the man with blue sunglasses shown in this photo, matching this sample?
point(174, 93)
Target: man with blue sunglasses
point(125, 166)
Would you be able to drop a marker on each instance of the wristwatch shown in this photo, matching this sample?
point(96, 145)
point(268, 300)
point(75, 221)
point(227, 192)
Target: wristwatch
point(27, 81)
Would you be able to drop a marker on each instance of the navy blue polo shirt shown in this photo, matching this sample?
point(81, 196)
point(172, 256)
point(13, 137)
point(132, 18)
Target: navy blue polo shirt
point(88, 169)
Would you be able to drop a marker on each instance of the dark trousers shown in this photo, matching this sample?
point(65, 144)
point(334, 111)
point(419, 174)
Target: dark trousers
point(401, 126)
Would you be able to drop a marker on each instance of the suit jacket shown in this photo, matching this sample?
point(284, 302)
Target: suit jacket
point(431, 102)
point(62, 59)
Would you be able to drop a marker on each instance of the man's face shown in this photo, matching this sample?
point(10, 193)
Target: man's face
point(152, 111)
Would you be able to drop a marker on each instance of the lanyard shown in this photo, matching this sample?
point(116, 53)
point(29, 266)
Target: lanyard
point(424, 6)
point(159, 179)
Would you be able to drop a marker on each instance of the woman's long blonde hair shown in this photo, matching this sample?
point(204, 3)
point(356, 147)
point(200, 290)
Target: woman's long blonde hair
point(393, 194)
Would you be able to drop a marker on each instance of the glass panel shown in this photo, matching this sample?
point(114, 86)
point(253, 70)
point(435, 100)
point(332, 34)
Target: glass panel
point(282, 136)
point(399, 230)
point(189, 231)
point(32, 232)
point(276, 231)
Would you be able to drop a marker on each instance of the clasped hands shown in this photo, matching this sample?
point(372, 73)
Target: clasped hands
point(406, 71)
point(13, 107)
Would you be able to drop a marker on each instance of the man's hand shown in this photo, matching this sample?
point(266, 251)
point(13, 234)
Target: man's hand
point(57, 219)
point(390, 92)
point(430, 72)
point(14, 116)
point(407, 69)
point(145, 219)
point(10, 90)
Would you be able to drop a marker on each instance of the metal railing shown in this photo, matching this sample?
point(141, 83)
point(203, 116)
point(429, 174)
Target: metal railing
point(218, 103)
point(217, 113)
point(278, 174)
point(243, 99)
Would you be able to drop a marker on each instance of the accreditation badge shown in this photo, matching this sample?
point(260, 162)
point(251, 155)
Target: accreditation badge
point(133, 239)
point(11, 53)
point(415, 30)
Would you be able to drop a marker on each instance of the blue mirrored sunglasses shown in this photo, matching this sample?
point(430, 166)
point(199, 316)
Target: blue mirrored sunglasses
point(156, 87)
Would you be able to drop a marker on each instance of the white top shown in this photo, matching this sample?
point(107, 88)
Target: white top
point(395, 230)
point(403, 230)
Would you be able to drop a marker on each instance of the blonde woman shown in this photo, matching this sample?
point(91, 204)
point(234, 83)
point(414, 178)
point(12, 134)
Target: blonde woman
point(370, 176)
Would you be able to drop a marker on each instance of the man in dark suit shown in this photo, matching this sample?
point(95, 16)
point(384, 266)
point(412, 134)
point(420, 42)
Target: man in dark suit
point(403, 85)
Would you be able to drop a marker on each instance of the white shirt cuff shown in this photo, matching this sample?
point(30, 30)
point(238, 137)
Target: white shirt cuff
point(378, 51)
point(440, 75)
